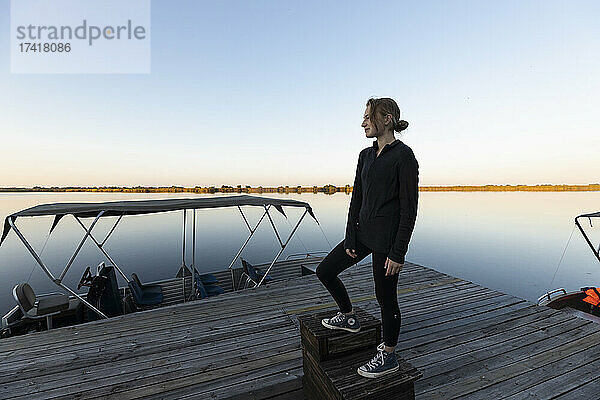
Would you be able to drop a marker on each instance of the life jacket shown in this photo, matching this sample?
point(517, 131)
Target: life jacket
point(593, 296)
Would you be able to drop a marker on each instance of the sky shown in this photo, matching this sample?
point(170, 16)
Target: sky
point(273, 93)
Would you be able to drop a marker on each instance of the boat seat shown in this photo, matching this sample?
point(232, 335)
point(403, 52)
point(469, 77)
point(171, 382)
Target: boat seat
point(252, 274)
point(209, 279)
point(44, 306)
point(53, 303)
point(213, 290)
point(145, 295)
point(211, 285)
point(146, 288)
point(207, 286)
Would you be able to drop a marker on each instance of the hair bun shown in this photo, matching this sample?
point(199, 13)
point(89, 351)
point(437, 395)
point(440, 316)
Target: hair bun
point(401, 125)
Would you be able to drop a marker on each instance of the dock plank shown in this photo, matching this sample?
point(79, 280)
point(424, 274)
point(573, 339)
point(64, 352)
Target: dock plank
point(549, 380)
point(483, 368)
point(246, 345)
point(105, 369)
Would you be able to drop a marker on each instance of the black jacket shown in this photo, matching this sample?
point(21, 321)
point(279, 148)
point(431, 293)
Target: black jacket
point(383, 208)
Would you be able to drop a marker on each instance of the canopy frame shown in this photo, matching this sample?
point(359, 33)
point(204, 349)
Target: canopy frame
point(585, 236)
point(101, 245)
point(11, 221)
point(252, 230)
point(283, 246)
point(58, 281)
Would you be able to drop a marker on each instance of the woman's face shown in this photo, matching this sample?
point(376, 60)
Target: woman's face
point(368, 125)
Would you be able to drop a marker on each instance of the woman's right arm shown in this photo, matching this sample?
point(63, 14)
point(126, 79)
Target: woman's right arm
point(354, 210)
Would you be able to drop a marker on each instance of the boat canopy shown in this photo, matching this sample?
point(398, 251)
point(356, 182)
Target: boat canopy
point(136, 207)
point(591, 215)
point(595, 250)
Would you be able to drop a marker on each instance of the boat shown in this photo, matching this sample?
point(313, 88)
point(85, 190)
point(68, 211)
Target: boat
point(585, 302)
point(106, 299)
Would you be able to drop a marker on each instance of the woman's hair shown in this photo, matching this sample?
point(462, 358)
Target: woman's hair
point(379, 108)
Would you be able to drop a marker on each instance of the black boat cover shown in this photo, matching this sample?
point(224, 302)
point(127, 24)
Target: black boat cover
point(591, 215)
point(135, 207)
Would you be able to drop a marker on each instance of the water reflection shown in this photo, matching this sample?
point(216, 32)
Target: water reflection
point(508, 241)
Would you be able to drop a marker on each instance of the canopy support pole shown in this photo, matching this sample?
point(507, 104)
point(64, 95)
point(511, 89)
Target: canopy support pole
point(112, 229)
point(193, 285)
point(37, 258)
point(101, 247)
point(275, 230)
point(183, 266)
point(87, 233)
point(587, 239)
point(252, 230)
point(283, 245)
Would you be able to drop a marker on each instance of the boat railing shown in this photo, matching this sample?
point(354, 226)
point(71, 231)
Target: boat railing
point(549, 294)
point(306, 255)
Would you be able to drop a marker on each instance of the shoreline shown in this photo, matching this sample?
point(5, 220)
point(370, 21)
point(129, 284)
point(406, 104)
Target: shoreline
point(327, 189)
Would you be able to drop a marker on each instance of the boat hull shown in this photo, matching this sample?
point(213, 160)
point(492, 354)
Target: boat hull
point(573, 300)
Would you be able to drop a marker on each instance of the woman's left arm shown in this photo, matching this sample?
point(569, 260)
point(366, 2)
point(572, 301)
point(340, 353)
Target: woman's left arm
point(408, 189)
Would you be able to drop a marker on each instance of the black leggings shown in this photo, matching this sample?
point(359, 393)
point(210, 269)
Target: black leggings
point(385, 286)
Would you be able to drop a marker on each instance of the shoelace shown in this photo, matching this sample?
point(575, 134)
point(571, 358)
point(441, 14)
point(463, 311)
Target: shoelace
point(337, 318)
point(378, 359)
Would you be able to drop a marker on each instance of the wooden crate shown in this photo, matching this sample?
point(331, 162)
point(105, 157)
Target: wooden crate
point(331, 358)
point(324, 343)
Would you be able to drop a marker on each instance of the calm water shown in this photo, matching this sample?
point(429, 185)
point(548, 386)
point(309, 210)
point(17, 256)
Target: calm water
point(510, 242)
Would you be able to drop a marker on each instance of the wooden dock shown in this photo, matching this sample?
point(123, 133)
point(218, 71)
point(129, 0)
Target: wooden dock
point(470, 342)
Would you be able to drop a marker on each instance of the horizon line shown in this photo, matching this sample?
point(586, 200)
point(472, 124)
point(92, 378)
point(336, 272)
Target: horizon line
point(295, 189)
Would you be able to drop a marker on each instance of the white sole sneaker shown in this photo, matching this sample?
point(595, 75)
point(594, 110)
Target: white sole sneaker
point(326, 325)
point(377, 374)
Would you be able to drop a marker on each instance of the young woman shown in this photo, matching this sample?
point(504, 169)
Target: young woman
point(381, 218)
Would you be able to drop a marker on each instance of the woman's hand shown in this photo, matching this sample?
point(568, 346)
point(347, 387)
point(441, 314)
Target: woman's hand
point(351, 253)
point(392, 267)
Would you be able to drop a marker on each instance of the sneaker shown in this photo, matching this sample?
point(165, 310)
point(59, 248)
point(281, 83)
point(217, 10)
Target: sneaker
point(383, 363)
point(342, 321)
